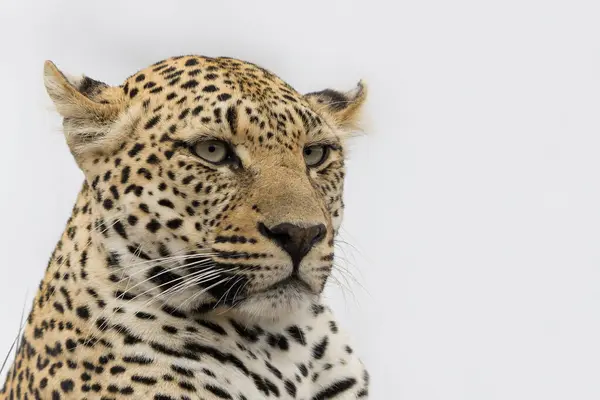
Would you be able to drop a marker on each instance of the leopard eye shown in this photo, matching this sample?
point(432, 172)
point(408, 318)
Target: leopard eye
point(213, 151)
point(315, 155)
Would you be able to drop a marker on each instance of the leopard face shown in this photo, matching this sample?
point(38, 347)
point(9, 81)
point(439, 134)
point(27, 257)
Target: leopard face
point(215, 184)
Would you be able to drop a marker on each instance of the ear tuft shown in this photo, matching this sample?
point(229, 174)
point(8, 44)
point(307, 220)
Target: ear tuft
point(343, 107)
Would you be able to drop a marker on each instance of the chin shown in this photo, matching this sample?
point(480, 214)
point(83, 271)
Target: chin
point(276, 303)
point(271, 304)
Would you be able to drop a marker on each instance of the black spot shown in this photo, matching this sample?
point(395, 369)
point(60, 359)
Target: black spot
point(290, 98)
point(191, 62)
point(146, 380)
point(152, 122)
point(135, 149)
point(119, 294)
point(290, 388)
point(115, 193)
point(145, 173)
point(297, 334)
point(217, 391)
point(125, 174)
point(245, 332)
point(152, 159)
point(303, 370)
point(58, 307)
point(70, 344)
point(133, 92)
point(174, 312)
point(216, 328)
point(107, 204)
point(210, 88)
point(278, 341)
point(274, 370)
point(126, 390)
point(320, 347)
point(192, 83)
point(140, 360)
point(317, 309)
point(153, 226)
point(232, 117)
point(335, 389)
point(144, 315)
point(223, 97)
point(163, 278)
point(333, 327)
point(174, 223)
point(197, 110)
point(187, 386)
point(166, 203)
point(83, 312)
point(67, 385)
point(184, 113)
point(120, 229)
point(163, 397)
point(182, 371)
point(140, 77)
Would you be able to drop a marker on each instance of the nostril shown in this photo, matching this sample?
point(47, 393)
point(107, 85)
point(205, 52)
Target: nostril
point(279, 233)
point(320, 232)
point(262, 228)
point(296, 240)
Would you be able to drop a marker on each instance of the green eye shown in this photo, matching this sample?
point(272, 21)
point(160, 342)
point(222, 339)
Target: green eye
point(315, 155)
point(213, 151)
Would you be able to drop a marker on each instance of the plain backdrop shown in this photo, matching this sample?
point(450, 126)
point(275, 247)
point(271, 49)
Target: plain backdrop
point(472, 227)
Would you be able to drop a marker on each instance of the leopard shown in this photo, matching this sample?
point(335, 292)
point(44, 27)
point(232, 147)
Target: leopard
point(195, 258)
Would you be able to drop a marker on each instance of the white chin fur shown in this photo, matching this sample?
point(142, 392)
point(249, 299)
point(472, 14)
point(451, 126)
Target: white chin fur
point(266, 306)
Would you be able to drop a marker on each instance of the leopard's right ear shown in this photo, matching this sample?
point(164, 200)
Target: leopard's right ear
point(96, 115)
point(74, 96)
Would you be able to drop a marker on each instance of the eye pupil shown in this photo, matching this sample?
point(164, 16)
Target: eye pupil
point(212, 148)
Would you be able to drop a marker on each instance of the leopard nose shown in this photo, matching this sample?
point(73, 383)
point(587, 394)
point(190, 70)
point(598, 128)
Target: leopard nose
point(296, 240)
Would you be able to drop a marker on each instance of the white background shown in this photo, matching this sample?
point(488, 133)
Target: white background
point(473, 219)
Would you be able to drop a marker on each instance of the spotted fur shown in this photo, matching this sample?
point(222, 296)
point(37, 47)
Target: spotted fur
point(179, 278)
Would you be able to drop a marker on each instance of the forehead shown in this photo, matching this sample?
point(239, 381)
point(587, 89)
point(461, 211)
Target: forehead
point(227, 98)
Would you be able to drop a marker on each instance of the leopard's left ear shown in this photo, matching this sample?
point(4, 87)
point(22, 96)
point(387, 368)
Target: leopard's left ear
point(343, 107)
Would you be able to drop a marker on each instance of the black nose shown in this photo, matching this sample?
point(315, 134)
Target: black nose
point(295, 240)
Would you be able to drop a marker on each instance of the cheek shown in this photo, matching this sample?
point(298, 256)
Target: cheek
point(330, 188)
point(337, 218)
point(204, 197)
